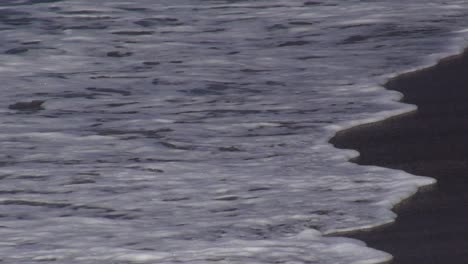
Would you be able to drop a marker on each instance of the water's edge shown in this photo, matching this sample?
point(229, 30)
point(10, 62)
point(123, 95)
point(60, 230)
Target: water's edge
point(431, 183)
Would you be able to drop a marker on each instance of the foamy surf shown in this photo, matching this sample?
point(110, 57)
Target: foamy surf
point(198, 132)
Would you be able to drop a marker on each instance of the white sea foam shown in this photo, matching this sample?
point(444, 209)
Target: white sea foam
point(179, 131)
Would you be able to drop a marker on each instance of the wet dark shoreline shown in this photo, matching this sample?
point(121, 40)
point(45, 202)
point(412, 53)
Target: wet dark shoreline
point(433, 141)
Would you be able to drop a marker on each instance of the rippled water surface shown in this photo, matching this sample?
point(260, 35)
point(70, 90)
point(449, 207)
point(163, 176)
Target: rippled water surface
point(195, 131)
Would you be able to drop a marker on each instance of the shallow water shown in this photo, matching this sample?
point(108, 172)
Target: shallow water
point(190, 131)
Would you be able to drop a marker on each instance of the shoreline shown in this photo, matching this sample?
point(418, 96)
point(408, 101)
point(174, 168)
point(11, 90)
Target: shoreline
point(430, 141)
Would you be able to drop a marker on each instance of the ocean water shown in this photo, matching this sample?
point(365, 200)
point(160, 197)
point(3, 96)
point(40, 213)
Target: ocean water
point(196, 131)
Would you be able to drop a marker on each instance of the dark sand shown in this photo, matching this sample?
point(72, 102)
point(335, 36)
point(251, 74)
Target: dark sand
point(432, 226)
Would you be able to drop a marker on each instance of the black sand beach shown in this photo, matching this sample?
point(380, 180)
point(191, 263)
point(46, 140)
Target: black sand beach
point(432, 226)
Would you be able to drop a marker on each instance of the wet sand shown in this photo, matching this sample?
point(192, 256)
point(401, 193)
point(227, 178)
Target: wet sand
point(432, 226)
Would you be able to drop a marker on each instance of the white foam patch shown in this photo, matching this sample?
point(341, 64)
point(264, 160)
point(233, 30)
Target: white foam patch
point(310, 242)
